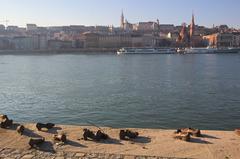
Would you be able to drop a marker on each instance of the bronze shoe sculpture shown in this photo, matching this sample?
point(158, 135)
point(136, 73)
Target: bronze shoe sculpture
point(88, 134)
point(185, 136)
point(36, 142)
point(3, 117)
point(48, 126)
point(5, 122)
point(192, 131)
point(101, 136)
point(60, 137)
point(127, 134)
point(20, 129)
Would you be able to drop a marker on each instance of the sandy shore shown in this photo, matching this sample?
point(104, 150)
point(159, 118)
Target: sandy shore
point(152, 143)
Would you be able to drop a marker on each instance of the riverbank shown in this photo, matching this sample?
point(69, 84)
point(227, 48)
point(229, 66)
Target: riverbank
point(152, 143)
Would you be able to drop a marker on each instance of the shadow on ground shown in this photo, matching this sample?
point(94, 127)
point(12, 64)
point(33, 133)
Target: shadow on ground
point(74, 144)
point(209, 136)
point(142, 139)
point(199, 141)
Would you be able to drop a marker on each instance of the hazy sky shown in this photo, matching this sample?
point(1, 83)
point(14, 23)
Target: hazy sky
point(107, 12)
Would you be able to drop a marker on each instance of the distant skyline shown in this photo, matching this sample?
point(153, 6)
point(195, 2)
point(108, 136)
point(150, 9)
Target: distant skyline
point(107, 12)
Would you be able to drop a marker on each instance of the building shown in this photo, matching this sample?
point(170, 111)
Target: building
point(118, 40)
point(2, 27)
point(220, 40)
point(101, 29)
point(236, 39)
point(32, 27)
point(43, 42)
point(12, 28)
point(90, 39)
point(114, 40)
point(58, 44)
point(166, 28)
point(23, 43)
point(40, 42)
point(146, 26)
point(5, 43)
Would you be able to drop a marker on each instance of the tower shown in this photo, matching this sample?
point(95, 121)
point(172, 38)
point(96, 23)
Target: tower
point(183, 36)
point(192, 27)
point(122, 21)
point(192, 31)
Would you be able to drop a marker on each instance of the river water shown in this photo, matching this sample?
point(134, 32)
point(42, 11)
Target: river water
point(144, 91)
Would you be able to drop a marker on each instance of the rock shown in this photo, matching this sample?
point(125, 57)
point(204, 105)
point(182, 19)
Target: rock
point(28, 156)
point(80, 155)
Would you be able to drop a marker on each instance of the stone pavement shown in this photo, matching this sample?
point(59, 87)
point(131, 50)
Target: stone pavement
point(36, 154)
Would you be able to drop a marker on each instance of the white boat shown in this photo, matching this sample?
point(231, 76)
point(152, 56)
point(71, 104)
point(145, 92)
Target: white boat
point(209, 50)
point(200, 50)
point(227, 50)
point(146, 51)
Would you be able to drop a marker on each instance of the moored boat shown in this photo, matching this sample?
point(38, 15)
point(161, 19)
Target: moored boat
point(146, 51)
point(208, 50)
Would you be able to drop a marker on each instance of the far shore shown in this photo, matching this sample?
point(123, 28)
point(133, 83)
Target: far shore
point(151, 142)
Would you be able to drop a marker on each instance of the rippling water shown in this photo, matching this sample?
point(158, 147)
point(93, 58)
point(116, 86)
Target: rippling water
point(146, 91)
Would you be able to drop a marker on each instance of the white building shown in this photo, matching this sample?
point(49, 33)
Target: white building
point(2, 27)
point(23, 43)
point(32, 27)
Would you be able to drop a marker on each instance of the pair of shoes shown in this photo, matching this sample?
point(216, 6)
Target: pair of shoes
point(48, 126)
point(88, 134)
point(5, 122)
point(186, 133)
point(185, 136)
point(60, 138)
point(192, 131)
point(127, 134)
point(36, 142)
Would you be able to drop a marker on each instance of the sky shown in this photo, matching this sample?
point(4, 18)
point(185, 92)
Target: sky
point(107, 12)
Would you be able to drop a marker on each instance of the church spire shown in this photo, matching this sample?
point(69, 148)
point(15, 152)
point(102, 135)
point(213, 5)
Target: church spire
point(192, 26)
point(122, 20)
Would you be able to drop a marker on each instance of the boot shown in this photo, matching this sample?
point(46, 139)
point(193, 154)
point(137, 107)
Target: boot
point(131, 135)
point(36, 142)
point(192, 131)
point(182, 136)
point(20, 129)
point(48, 126)
point(127, 134)
point(6, 123)
point(60, 138)
point(88, 134)
point(101, 136)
